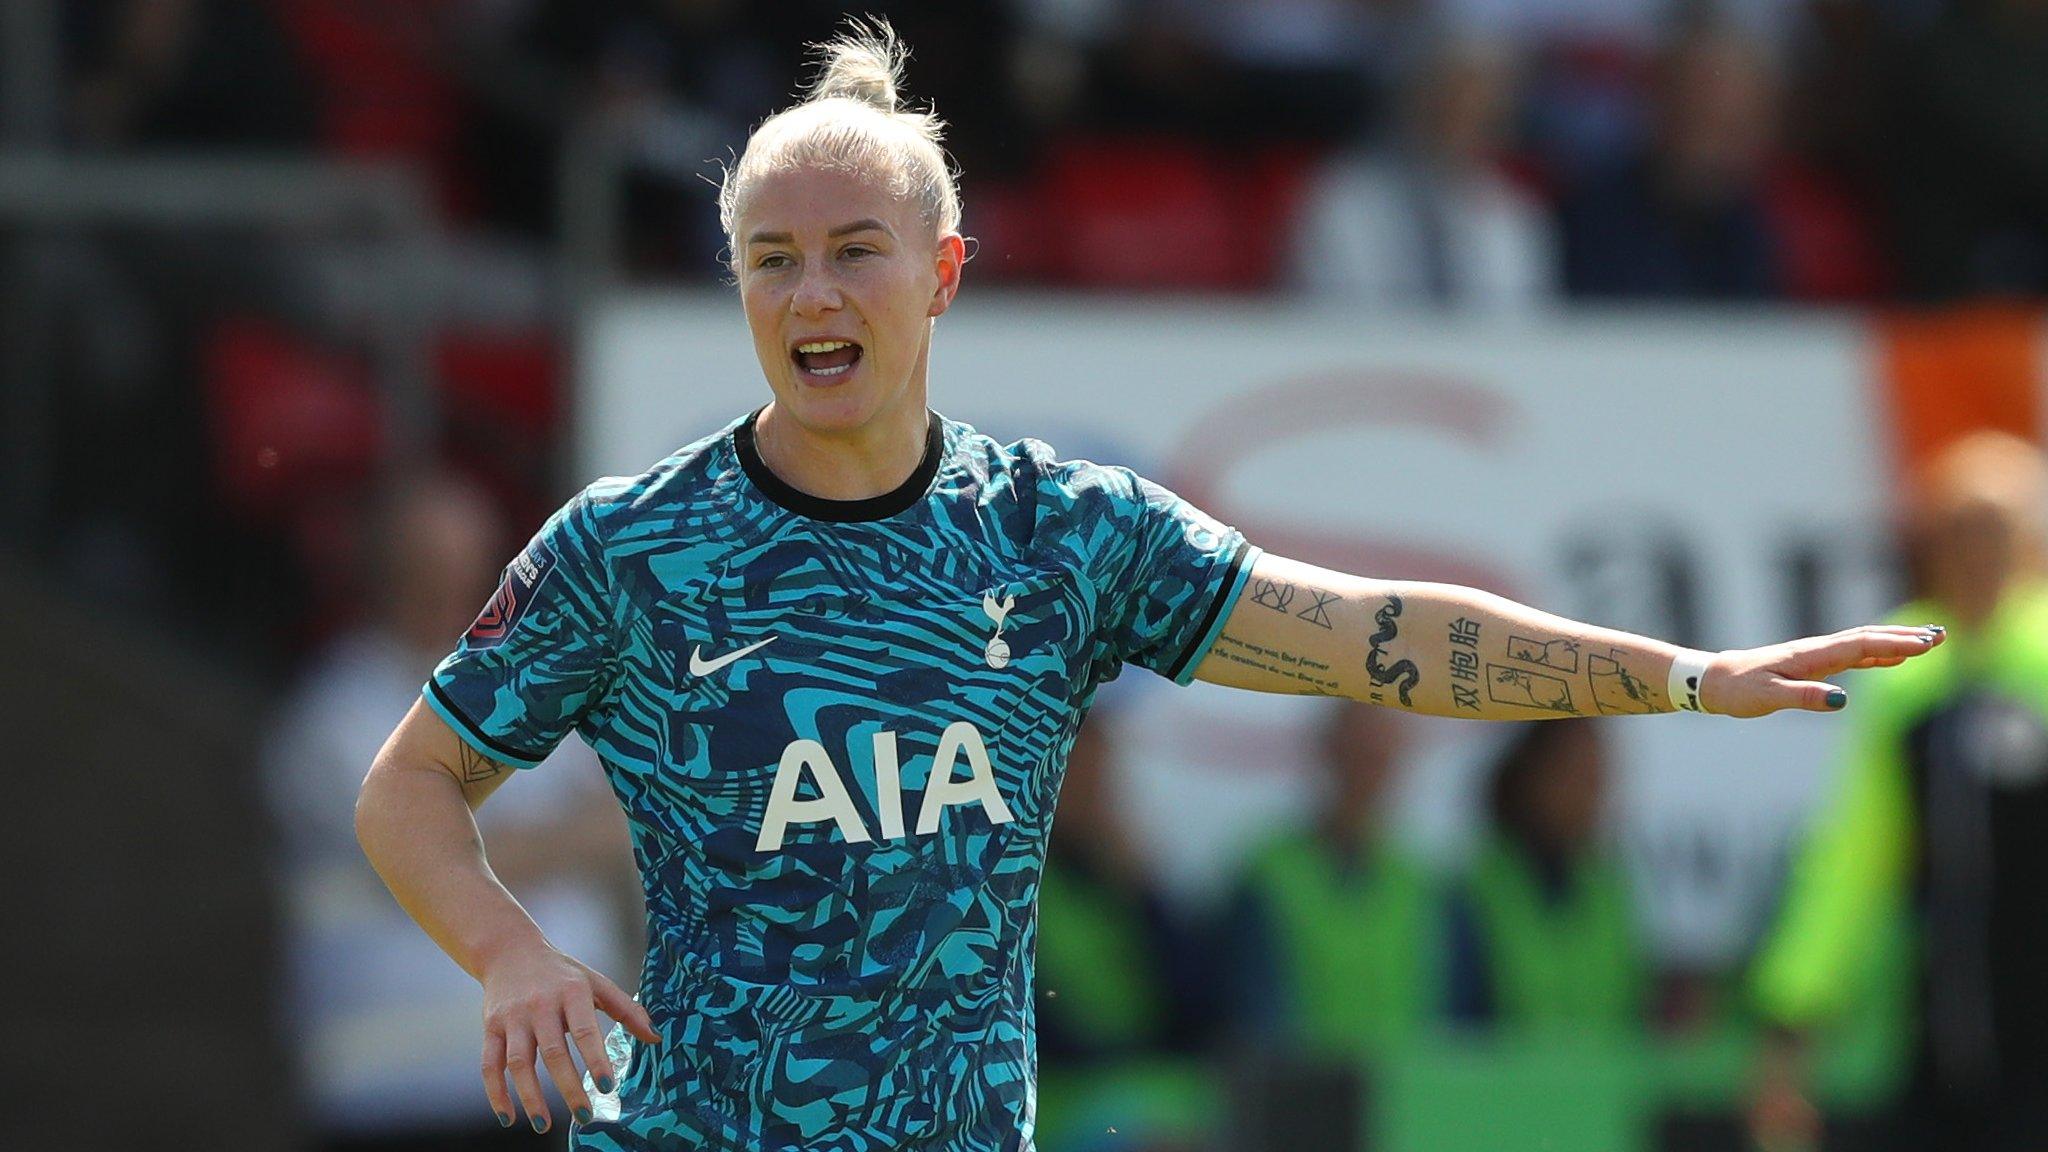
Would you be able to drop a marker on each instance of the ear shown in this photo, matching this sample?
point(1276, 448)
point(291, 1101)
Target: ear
point(950, 260)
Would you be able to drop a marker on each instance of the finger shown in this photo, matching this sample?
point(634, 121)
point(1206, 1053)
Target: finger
point(1898, 629)
point(589, 1040)
point(494, 1076)
point(554, 1052)
point(623, 1008)
point(1845, 651)
point(1808, 695)
point(519, 1058)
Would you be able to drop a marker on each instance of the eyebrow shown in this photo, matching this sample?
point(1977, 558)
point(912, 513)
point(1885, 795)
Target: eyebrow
point(865, 224)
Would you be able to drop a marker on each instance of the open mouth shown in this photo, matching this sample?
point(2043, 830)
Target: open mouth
point(826, 358)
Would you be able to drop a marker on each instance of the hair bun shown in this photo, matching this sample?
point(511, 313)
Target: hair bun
point(864, 63)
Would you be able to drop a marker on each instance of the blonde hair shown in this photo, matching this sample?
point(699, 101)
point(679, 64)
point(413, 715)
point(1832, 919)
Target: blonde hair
point(852, 119)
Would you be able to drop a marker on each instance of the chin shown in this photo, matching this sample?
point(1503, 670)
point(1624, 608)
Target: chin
point(822, 410)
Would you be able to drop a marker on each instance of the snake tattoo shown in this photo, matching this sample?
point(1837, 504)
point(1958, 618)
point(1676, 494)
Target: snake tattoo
point(1402, 674)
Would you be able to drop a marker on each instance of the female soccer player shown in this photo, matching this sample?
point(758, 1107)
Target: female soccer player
point(833, 657)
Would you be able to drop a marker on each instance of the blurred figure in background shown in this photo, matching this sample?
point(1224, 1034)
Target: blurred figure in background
point(1543, 926)
point(205, 74)
point(1965, 138)
point(1298, 69)
point(1937, 823)
point(1118, 976)
point(1337, 926)
point(1430, 220)
point(1685, 217)
point(386, 1026)
point(1127, 993)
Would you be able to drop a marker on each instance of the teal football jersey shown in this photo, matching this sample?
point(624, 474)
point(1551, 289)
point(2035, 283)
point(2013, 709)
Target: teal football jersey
point(837, 729)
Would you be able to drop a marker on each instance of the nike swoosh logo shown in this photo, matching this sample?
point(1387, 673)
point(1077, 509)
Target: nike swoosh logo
point(699, 666)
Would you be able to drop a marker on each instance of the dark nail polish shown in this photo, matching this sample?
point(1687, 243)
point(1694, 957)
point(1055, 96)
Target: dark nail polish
point(583, 1115)
point(1838, 698)
point(504, 1121)
point(605, 1085)
point(1937, 629)
point(540, 1123)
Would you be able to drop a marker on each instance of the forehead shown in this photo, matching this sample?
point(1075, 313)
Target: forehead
point(812, 199)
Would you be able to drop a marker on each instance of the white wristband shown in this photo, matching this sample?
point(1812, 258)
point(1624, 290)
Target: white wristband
point(1686, 673)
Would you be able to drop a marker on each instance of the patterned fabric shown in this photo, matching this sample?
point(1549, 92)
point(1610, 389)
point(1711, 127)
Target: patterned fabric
point(837, 729)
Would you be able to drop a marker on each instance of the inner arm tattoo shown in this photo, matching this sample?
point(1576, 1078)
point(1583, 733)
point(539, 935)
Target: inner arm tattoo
point(1310, 604)
point(1314, 676)
point(473, 767)
point(1401, 675)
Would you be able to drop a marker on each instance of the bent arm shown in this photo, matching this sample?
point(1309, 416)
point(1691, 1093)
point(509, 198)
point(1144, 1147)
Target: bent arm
point(1446, 650)
point(414, 820)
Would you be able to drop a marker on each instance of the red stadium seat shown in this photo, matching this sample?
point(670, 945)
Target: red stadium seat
point(510, 380)
point(377, 70)
point(1144, 213)
point(1825, 236)
point(288, 420)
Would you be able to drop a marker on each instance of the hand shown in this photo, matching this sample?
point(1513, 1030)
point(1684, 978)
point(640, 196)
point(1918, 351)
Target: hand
point(533, 998)
point(1759, 681)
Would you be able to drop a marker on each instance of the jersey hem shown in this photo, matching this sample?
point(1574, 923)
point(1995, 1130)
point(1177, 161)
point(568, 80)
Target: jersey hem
point(1237, 573)
point(471, 734)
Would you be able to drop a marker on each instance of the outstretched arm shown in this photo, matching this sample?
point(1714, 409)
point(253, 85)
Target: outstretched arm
point(1446, 650)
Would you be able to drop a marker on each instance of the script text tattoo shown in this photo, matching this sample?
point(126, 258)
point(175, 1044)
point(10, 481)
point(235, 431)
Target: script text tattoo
point(1313, 675)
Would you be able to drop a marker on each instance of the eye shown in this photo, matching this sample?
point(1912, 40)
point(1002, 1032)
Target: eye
point(772, 260)
point(856, 251)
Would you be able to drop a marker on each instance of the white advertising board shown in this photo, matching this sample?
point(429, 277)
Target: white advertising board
point(1719, 479)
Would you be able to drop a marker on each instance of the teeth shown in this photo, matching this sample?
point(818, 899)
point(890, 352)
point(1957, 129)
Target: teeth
point(824, 346)
point(828, 371)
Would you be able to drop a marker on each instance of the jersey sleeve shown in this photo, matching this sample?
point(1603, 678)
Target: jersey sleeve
point(1170, 579)
point(542, 653)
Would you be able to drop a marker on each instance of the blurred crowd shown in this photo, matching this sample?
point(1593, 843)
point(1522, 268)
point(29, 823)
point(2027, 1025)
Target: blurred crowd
point(1481, 153)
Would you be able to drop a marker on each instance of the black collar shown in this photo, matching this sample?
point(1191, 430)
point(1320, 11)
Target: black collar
point(880, 507)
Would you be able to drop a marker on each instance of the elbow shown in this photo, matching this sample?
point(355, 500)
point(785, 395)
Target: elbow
point(367, 811)
point(375, 806)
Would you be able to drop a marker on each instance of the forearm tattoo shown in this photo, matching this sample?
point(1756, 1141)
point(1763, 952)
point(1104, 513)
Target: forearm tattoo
point(1465, 665)
point(1617, 691)
point(1525, 689)
point(1402, 675)
point(1540, 672)
point(1561, 654)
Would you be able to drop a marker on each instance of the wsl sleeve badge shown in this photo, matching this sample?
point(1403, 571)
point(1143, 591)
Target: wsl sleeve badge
point(523, 578)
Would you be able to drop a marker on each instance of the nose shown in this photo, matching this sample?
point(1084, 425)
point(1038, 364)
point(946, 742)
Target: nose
point(816, 292)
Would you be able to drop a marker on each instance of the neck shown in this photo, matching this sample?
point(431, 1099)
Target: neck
point(857, 464)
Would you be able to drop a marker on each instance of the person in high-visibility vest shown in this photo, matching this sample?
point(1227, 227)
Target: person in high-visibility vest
point(1120, 973)
point(1939, 821)
point(1544, 927)
point(1338, 926)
